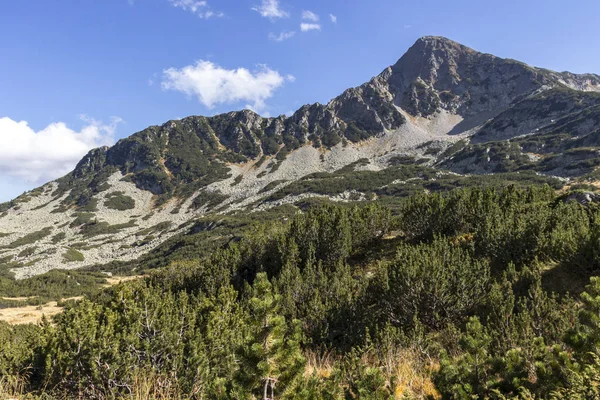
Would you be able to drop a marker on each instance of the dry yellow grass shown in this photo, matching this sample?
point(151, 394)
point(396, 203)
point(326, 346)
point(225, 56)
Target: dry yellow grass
point(12, 387)
point(319, 364)
point(569, 186)
point(29, 314)
point(408, 373)
point(17, 298)
point(112, 281)
point(412, 376)
point(391, 235)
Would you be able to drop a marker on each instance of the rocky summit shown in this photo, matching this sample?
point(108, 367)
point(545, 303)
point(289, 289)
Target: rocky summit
point(443, 111)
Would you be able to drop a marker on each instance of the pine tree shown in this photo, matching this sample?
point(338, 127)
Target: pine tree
point(587, 338)
point(271, 357)
point(467, 375)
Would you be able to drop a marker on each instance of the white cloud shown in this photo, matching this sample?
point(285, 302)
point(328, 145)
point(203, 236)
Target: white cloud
point(407, 26)
point(333, 18)
point(37, 157)
point(198, 7)
point(310, 16)
point(271, 9)
point(291, 78)
point(282, 36)
point(305, 27)
point(214, 85)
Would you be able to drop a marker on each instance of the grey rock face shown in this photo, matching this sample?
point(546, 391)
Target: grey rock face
point(442, 102)
point(583, 198)
point(92, 162)
point(468, 82)
point(494, 98)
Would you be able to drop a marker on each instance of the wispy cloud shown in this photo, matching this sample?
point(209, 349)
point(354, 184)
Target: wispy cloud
point(282, 36)
point(313, 24)
point(198, 7)
point(152, 79)
point(39, 156)
point(271, 9)
point(333, 18)
point(213, 85)
point(310, 16)
point(407, 26)
point(305, 27)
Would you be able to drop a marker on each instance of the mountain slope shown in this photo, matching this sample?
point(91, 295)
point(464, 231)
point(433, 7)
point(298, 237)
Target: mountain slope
point(442, 105)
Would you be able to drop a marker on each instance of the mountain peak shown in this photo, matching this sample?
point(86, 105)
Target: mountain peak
point(437, 73)
point(437, 43)
point(436, 40)
point(430, 54)
point(119, 200)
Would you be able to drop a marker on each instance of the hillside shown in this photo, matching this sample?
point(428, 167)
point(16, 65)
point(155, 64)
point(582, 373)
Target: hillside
point(431, 234)
point(442, 113)
point(476, 293)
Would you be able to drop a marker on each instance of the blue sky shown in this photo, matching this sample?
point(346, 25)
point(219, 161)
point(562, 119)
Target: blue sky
point(75, 74)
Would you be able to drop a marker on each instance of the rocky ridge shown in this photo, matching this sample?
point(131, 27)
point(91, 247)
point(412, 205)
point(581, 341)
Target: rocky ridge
point(443, 104)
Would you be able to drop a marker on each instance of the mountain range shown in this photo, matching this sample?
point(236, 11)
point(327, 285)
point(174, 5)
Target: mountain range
point(442, 115)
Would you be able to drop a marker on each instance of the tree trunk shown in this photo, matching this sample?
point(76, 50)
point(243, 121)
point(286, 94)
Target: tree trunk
point(266, 389)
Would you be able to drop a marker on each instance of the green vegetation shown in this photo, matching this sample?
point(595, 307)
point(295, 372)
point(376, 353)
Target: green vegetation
point(6, 263)
point(208, 199)
point(91, 204)
point(431, 291)
point(565, 146)
point(41, 206)
point(4, 207)
point(148, 216)
point(205, 236)
point(29, 251)
point(260, 161)
point(180, 157)
point(85, 246)
point(73, 255)
point(401, 181)
point(79, 245)
point(272, 185)
point(24, 198)
point(59, 237)
point(88, 179)
point(95, 228)
point(31, 238)
point(237, 180)
point(51, 286)
point(119, 201)
point(82, 218)
point(476, 293)
point(158, 228)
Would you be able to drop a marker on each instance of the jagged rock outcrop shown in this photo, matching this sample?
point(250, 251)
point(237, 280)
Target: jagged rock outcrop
point(441, 105)
point(506, 97)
